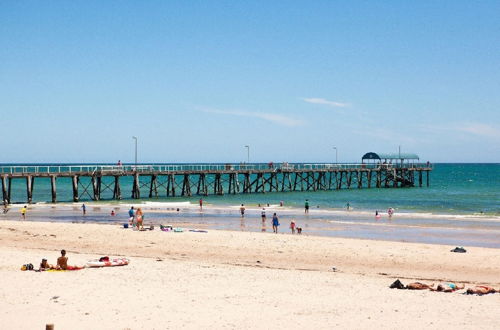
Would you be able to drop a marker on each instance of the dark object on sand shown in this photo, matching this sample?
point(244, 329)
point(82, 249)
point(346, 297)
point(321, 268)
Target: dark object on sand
point(459, 249)
point(397, 285)
point(125, 225)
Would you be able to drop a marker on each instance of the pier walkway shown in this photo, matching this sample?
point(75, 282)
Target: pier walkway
point(91, 181)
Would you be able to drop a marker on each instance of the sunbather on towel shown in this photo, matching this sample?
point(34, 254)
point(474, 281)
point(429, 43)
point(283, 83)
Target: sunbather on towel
point(419, 286)
point(62, 262)
point(448, 287)
point(481, 289)
point(44, 265)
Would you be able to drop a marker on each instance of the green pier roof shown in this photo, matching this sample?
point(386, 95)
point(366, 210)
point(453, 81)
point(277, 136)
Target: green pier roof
point(380, 156)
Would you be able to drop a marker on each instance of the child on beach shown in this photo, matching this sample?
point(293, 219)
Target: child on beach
point(23, 213)
point(44, 265)
point(242, 210)
point(292, 226)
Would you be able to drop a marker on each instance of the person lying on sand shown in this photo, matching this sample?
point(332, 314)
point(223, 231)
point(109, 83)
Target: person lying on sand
point(481, 289)
point(419, 286)
point(44, 265)
point(448, 287)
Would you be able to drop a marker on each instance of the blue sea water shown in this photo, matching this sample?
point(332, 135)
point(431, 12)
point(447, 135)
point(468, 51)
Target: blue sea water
point(454, 189)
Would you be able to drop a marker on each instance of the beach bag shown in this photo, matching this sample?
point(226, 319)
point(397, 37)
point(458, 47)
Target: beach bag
point(27, 267)
point(397, 285)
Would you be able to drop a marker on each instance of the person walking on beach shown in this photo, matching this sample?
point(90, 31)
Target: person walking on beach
point(292, 226)
point(23, 212)
point(390, 212)
point(201, 204)
point(306, 206)
point(84, 209)
point(276, 223)
point(263, 215)
point(242, 210)
point(131, 216)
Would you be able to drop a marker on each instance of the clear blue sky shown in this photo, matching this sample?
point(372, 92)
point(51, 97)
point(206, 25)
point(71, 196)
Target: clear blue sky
point(196, 81)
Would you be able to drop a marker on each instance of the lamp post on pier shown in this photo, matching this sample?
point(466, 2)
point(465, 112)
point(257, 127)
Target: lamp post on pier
point(336, 158)
point(248, 154)
point(135, 138)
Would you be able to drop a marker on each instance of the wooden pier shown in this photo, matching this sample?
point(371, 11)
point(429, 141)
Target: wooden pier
point(153, 181)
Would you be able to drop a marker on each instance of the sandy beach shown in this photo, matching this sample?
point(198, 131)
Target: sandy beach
point(230, 279)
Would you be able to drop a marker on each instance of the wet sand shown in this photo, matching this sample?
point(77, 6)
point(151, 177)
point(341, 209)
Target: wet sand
point(453, 230)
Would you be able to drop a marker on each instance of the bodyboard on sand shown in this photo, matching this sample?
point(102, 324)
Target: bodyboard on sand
point(110, 263)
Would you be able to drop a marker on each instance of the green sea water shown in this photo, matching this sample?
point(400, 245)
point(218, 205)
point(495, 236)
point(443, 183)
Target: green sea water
point(454, 189)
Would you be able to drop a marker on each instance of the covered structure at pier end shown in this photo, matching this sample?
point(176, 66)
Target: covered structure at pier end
point(390, 158)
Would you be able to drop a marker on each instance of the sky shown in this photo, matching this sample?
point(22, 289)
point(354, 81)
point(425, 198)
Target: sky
point(197, 81)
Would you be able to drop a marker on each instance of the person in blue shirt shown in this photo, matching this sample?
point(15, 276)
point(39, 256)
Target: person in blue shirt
point(276, 223)
point(131, 215)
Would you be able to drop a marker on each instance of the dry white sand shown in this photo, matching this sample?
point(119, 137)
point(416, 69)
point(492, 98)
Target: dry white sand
point(224, 279)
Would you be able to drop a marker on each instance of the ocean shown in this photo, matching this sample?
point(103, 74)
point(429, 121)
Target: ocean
point(455, 189)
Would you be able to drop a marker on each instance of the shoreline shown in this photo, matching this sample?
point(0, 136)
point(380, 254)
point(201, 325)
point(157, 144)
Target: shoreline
point(451, 231)
point(152, 205)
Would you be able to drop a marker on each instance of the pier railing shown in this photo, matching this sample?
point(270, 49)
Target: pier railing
point(35, 169)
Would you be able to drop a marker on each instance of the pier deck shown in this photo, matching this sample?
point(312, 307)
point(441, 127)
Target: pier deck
point(188, 180)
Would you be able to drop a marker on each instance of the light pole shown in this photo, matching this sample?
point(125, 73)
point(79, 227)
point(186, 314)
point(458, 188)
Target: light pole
point(248, 154)
point(336, 158)
point(135, 138)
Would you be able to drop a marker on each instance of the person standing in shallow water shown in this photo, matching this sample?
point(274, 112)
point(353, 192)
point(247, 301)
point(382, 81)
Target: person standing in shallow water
point(242, 210)
point(306, 206)
point(131, 216)
point(276, 223)
point(84, 209)
point(23, 213)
